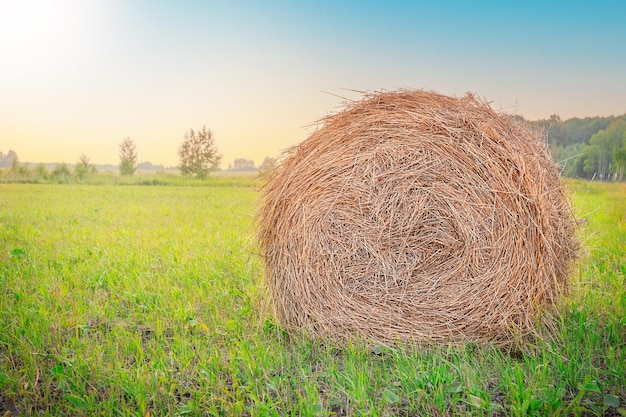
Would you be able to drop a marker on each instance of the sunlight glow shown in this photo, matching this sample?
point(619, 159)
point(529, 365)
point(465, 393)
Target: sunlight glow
point(43, 34)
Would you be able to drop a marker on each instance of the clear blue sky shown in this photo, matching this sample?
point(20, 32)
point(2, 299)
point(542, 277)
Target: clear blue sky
point(77, 76)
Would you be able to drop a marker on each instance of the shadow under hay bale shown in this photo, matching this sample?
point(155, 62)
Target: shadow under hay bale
point(416, 217)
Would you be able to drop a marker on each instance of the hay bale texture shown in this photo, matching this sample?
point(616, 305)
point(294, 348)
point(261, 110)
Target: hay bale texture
point(413, 216)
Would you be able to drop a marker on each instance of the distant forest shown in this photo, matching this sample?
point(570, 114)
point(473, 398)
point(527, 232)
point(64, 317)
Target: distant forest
point(593, 147)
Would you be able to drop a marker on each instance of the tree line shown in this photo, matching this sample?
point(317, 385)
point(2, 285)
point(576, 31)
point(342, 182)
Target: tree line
point(591, 147)
point(198, 157)
point(60, 174)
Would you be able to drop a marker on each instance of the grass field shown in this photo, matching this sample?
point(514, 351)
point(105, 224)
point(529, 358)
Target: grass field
point(147, 301)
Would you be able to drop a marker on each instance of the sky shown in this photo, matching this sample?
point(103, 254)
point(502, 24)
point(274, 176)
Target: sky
point(79, 76)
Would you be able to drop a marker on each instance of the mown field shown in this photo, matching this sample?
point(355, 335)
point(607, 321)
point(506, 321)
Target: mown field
point(137, 300)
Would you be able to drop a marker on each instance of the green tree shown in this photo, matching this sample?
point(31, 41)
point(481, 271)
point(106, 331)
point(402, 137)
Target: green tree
point(61, 173)
point(18, 169)
point(570, 158)
point(84, 168)
point(602, 154)
point(41, 172)
point(198, 153)
point(620, 159)
point(128, 157)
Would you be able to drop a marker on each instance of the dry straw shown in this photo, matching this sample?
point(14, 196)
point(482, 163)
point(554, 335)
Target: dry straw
point(416, 217)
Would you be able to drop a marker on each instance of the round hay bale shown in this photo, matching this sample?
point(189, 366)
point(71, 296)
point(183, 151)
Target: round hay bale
point(413, 216)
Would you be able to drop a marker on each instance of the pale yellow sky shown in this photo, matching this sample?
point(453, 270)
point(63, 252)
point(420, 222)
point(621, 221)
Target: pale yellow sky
point(80, 76)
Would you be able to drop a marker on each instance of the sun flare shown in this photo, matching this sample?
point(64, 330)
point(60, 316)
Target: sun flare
point(39, 38)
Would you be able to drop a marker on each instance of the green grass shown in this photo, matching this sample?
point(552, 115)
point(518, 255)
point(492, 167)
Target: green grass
point(215, 179)
point(147, 301)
